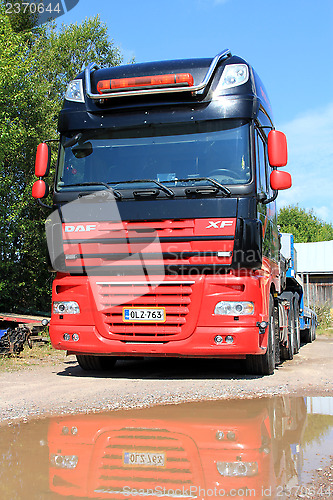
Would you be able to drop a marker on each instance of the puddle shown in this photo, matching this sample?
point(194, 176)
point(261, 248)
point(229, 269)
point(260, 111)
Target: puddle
point(258, 448)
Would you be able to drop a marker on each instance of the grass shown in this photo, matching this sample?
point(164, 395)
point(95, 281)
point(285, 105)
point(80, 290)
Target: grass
point(326, 332)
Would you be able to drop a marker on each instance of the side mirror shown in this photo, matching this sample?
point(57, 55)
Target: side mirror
point(280, 180)
point(43, 160)
point(40, 189)
point(277, 149)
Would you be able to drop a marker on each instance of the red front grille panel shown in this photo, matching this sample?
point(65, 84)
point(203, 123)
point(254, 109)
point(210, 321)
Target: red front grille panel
point(182, 469)
point(117, 246)
point(175, 296)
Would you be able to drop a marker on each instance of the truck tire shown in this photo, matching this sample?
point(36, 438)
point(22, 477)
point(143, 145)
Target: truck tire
point(88, 362)
point(307, 335)
point(287, 352)
point(264, 364)
point(297, 343)
point(313, 329)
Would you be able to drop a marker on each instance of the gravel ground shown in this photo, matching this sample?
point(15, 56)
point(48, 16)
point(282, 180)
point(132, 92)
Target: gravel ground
point(63, 388)
point(321, 486)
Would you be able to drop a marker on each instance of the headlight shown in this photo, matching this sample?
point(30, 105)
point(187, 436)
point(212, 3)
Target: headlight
point(234, 308)
point(64, 461)
point(237, 469)
point(69, 307)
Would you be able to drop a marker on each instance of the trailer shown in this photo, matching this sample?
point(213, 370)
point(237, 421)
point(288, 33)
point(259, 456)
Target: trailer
point(18, 329)
point(163, 234)
point(301, 321)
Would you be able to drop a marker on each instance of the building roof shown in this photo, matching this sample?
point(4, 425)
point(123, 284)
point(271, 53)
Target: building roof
point(315, 258)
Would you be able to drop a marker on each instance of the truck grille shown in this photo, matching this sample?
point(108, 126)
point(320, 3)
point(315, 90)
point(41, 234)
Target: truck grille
point(174, 296)
point(115, 248)
point(180, 472)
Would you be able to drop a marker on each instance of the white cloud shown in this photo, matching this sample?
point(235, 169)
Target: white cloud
point(310, 146)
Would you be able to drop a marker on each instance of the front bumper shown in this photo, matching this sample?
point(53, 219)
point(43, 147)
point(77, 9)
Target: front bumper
point(247, 340)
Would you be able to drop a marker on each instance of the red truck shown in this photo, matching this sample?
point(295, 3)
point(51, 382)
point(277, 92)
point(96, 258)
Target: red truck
point(164, 235)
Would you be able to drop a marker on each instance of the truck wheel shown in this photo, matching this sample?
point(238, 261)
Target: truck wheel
point(264, 364)
point(306, 335)
point(287, 352)
point(297, 343)
point(313, 329)
point(87, 362)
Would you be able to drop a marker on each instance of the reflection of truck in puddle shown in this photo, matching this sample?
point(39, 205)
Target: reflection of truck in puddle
point(242, 449)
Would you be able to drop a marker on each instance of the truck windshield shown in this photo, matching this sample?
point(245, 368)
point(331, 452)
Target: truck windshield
point(219, 149)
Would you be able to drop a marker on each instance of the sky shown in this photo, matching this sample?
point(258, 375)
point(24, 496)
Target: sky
point(288, 42)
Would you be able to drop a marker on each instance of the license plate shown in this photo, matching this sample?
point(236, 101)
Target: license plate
point(145, 315)
point(144, 458)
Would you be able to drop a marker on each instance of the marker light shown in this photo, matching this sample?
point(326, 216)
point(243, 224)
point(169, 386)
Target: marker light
point(75, 91)
point(233, 75)
point(69, 307)
point(234, 308)
point(154, 81)
point(237, 469)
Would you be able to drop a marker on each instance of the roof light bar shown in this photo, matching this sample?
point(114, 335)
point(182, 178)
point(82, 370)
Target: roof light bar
point(154, 81)
point(151, 89)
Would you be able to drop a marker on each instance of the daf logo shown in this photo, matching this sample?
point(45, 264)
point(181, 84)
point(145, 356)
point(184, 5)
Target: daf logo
point(219, 224)
point(80, 228)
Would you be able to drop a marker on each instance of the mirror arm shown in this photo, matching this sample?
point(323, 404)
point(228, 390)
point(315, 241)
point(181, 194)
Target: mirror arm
point(51, 140)
point(43, 204)
point(272, 198)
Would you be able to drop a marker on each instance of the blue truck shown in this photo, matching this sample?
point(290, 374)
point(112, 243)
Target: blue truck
point(297, 321)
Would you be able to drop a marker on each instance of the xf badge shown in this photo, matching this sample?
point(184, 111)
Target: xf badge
point(219, 224)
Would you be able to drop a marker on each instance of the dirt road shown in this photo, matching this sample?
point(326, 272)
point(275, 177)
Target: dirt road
point(65, 388)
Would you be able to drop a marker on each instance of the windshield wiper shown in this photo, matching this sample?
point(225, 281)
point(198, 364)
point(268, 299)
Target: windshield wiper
point(222, 188)
point(166, 190)
point(109, 188)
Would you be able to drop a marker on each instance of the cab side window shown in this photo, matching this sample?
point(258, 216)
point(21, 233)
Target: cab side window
point(262, 166)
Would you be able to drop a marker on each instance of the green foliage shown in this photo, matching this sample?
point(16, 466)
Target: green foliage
point(304, 225)
point(21, 19)
point(317, 429)
point(36, 66)
point(324, 316)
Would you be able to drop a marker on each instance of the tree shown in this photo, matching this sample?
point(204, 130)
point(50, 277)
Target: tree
point(36, 66)
point(304, 225)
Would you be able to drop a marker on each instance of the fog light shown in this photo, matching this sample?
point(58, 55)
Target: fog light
point(218, 339)
point(229, 339)
point(66, 337)
point(75, 337)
